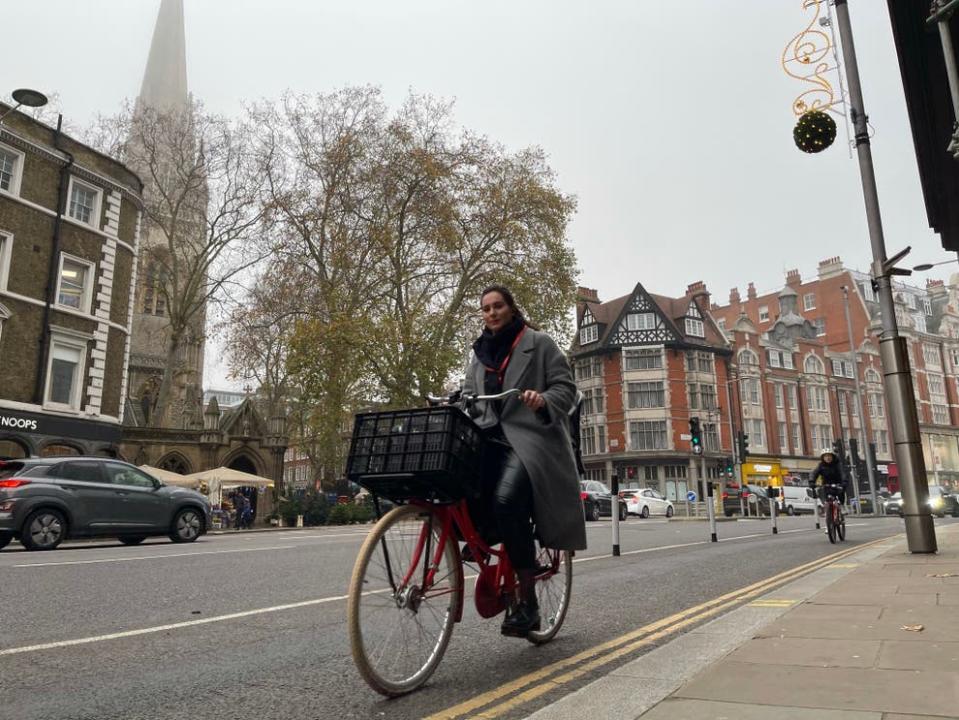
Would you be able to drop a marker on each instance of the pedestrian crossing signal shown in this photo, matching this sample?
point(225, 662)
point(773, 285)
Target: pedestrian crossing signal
point(695, 434)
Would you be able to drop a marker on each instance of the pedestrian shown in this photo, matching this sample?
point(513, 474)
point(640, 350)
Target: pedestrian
point(530, 465)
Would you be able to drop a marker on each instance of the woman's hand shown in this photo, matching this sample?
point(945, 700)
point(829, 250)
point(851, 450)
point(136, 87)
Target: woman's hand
point(533, 400)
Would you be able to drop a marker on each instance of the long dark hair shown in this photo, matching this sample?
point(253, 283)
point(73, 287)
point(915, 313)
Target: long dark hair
point(510, 301)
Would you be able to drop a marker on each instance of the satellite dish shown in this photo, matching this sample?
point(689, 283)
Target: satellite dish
point(30, 98)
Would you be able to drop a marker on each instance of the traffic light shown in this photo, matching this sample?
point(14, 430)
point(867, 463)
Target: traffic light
point(742, 444)
point(729, 467)
point(695, 434)
point(854, 451)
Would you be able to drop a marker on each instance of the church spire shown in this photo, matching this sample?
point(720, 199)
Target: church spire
point(164, 81)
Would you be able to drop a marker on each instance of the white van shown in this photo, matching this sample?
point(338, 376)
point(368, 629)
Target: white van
point(795, 500)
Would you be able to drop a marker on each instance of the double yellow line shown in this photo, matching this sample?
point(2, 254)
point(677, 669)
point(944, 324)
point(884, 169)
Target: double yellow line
point(546, 679)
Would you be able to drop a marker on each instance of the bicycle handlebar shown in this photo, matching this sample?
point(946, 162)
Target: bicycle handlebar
point(473, 398)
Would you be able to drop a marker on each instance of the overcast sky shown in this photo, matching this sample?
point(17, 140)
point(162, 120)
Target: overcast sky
point(670, 121)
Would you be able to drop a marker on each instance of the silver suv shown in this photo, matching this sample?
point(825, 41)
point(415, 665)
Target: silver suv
point(44, 501)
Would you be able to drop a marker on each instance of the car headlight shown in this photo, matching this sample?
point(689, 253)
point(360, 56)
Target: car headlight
point(935, 502)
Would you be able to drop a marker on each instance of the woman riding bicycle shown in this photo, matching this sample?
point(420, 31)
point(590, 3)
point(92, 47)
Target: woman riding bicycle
point(829, 472)
point(529, 470)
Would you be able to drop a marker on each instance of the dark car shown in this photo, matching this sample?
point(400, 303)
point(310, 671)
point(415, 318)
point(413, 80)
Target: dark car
point(751, 498)
point(598, 500)
point(44, 501)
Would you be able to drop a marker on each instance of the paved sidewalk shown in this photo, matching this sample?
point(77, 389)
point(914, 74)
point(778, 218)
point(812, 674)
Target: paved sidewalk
point(830, 646)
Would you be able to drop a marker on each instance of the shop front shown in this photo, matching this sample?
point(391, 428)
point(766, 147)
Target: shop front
point(941, 454)
point(29, 434)
point(763, 473)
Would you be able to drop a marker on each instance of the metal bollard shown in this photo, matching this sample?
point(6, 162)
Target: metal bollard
point(772, 508)
point(711, 512)
point(614, 510)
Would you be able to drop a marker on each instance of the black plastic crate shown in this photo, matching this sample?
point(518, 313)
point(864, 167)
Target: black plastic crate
point(431, 453)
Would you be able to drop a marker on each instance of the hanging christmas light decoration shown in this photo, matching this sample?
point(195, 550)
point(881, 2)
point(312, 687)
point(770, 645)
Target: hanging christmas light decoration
point(814, 132)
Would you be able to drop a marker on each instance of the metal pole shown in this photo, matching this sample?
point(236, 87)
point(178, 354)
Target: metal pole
point(870, 470)
point(614, 511)
point(772, 508)
point(900, 397)
point(708, 489)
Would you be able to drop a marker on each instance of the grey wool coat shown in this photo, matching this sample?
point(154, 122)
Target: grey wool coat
point(540, 440)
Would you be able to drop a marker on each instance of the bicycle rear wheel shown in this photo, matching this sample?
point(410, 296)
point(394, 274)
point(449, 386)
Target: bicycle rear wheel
point(398, 629)
point(553, 588)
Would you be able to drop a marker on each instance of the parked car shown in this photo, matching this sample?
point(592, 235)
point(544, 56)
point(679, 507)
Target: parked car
point(753, 497)
point(942, 502)
point(44, 501)
point(893, 505)
point(648, 502)
point(598, 500)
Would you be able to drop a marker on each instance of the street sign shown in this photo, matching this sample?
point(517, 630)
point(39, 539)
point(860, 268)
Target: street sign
point(685, 436)
point(691, 496)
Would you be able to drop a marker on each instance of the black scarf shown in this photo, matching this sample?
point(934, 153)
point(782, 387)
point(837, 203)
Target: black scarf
point(493, 348)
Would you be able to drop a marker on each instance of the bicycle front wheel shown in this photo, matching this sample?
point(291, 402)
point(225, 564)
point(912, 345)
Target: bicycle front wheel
point(553, 587)
point(831, 523)
point(399, 622)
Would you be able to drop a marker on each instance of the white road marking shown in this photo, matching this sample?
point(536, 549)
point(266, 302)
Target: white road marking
point(152, 557)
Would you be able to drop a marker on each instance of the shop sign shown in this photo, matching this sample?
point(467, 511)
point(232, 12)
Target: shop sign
point(9, 422)
point(54, 425)
point(762, 468)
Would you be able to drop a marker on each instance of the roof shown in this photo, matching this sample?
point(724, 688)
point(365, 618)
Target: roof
point(931, 116)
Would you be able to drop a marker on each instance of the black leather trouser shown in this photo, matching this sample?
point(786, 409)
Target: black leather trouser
point(512, 501)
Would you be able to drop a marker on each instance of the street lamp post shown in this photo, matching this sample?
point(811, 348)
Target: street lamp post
point(870, 469)
point(900, 396)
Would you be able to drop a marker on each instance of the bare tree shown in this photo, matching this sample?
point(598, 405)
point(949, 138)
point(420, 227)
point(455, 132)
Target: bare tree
point(203, 215)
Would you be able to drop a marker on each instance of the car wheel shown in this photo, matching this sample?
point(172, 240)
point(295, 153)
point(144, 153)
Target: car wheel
point(645, 513)
point(669, 511)
point(5, 539)
point(729, 513)
point(790, 510)
point(44, 529)
point(622, 512)
point(592, 512)
point(132, 539)
point(187, 526)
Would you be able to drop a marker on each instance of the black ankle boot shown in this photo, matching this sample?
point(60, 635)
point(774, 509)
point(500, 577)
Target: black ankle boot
point(522, 619)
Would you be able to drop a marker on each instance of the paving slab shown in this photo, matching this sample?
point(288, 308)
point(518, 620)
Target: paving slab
point(843, 597)
point(681, 709)
point(682, 658)
point(919, 655)
point(948, 599)
point(846, 613)
point(809, 652)
point(607, 699)
point(827, 628)
point(933, 693)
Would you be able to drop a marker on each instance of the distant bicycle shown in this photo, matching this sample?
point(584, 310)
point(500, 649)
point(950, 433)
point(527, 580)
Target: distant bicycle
point(408, 584)
point(835, 519)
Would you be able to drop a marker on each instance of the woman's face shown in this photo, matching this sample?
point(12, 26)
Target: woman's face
point(497, 314)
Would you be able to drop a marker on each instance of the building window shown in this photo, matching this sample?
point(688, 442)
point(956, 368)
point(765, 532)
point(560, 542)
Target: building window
point(589, 334)
point(711, 436)
point(940, 414)
point(820, 325)
point(641, 321)
point(809, 301)
point(75, 286)
point(793, 397)
point(588, 441)
point(647, 435)
point(783, 441)
point(747, 358)
point(930, 355)
point(699, 362)
point(842, 368)
point(84, 203)
point(778, 394)
point(65, 373)
point(814, 366)
point(601, 437)
point(750, 391)
point(774, 359)
point(876, 409)
point(643, 359)
point(927, 306)
point(593, 401)
point(919, 320)
point(11, 168)
point(695, 327)
point(816, 397)
point(821, 437)
point(722, 324)
point(754, 433)
point(6, 250)
point(675, 472)
point(797, 439)
point(763, 313)
point(645, 395)
point(779, 359)
point(881, 439)
point(707, 396)
point(872, 376)
point(590, 368)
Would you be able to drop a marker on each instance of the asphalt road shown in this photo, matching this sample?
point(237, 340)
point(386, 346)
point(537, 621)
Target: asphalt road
point(253, 624)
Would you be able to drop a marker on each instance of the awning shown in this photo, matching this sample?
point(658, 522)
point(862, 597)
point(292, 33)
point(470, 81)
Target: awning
point(228, 477)
point(168, 477)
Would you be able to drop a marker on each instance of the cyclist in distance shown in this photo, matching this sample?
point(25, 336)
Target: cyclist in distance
point(829, 472)
point(529, 469)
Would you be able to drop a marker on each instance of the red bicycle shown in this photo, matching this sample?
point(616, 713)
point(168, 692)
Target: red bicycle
point(408, 584)
point(835, 520)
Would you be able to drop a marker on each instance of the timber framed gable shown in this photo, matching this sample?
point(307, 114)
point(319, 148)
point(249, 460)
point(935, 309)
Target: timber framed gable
point(642, 322)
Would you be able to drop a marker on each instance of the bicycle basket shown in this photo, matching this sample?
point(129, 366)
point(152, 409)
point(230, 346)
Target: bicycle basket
point(429, 453)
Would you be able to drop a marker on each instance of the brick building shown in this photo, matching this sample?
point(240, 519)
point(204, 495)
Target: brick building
point(794, 369)
point(69, 236)
point(646, 364)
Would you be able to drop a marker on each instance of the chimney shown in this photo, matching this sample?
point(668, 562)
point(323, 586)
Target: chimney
point(751, 291)
point(830, 267)
point(698, 289)
point(936, 288)
point(585, 294)
point(734, 296)
point(793, 279)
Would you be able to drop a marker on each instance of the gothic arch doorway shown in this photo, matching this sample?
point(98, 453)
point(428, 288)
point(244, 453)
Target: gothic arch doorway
point(244, 463)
